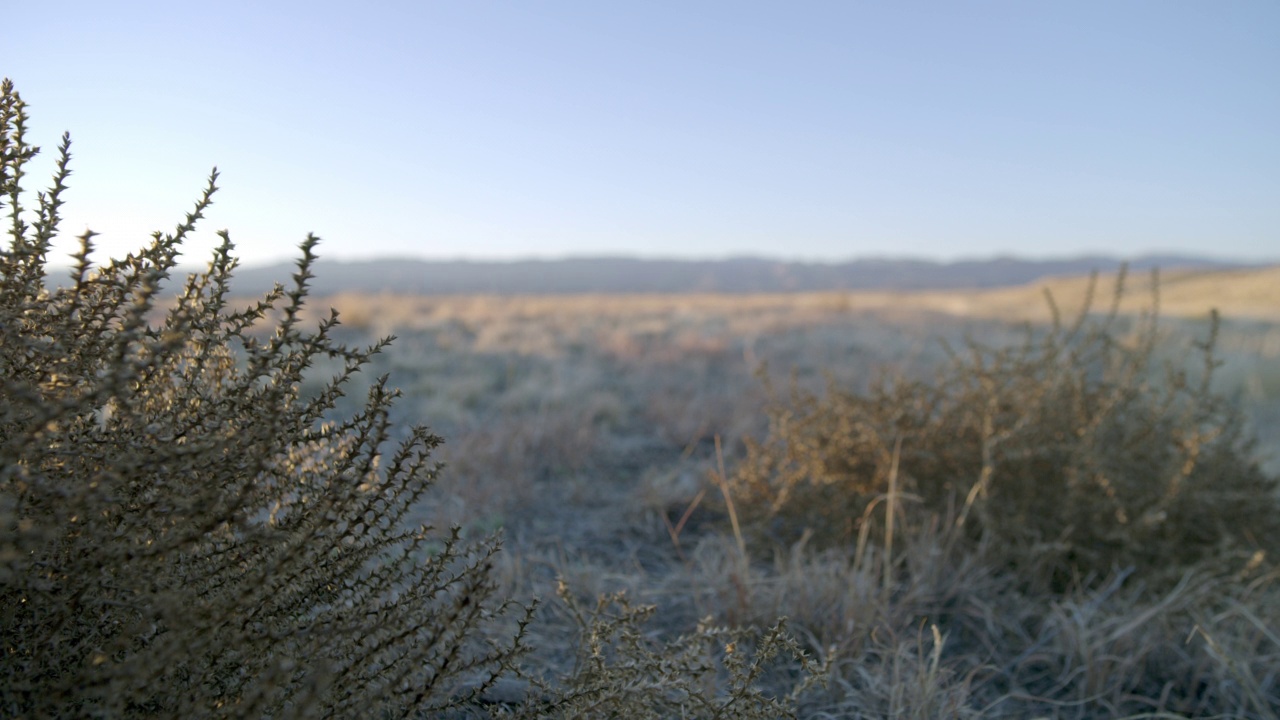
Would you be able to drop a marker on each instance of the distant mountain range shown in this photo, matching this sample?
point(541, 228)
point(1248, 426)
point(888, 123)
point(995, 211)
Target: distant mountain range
point(739, 275)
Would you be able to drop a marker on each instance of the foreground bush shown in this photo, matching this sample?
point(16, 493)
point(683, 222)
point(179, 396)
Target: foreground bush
point(1067, 453)
point(180, 533)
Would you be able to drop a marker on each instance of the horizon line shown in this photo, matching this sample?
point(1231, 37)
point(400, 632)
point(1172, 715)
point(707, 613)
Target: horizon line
point(748, 257)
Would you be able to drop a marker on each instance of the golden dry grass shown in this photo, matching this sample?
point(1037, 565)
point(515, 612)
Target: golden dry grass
point(585, 427)
point(1251, 294)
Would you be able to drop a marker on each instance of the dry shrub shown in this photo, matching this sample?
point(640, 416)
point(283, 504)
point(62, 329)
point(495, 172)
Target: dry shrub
point(1067, 452)
point(182, 532)
point(621, 671)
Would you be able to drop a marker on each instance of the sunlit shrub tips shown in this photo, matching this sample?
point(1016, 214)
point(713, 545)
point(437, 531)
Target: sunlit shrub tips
point(182, 533)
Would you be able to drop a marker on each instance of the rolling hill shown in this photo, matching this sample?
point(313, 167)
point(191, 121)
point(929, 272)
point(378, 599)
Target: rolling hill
point(738, 275)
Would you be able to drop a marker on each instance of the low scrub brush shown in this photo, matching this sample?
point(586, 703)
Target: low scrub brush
point(1071, 453)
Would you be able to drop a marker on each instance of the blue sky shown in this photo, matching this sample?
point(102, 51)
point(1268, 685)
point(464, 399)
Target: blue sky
point(819, 130)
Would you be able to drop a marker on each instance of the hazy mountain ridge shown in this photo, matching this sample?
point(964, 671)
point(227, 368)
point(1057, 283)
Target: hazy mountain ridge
point(735, 275)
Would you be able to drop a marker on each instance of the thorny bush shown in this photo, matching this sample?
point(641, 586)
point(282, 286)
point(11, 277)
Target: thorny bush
point(182, 532)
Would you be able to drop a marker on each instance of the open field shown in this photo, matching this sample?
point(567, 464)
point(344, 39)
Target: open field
point(686, 367)
point(1247, 294)
point(590, 431)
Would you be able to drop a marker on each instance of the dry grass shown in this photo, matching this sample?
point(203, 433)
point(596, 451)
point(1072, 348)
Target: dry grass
point(635, 510)
point(1248, 294)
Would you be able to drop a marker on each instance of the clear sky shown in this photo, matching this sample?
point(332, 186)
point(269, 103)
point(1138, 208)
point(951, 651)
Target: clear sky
point(797, 130)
